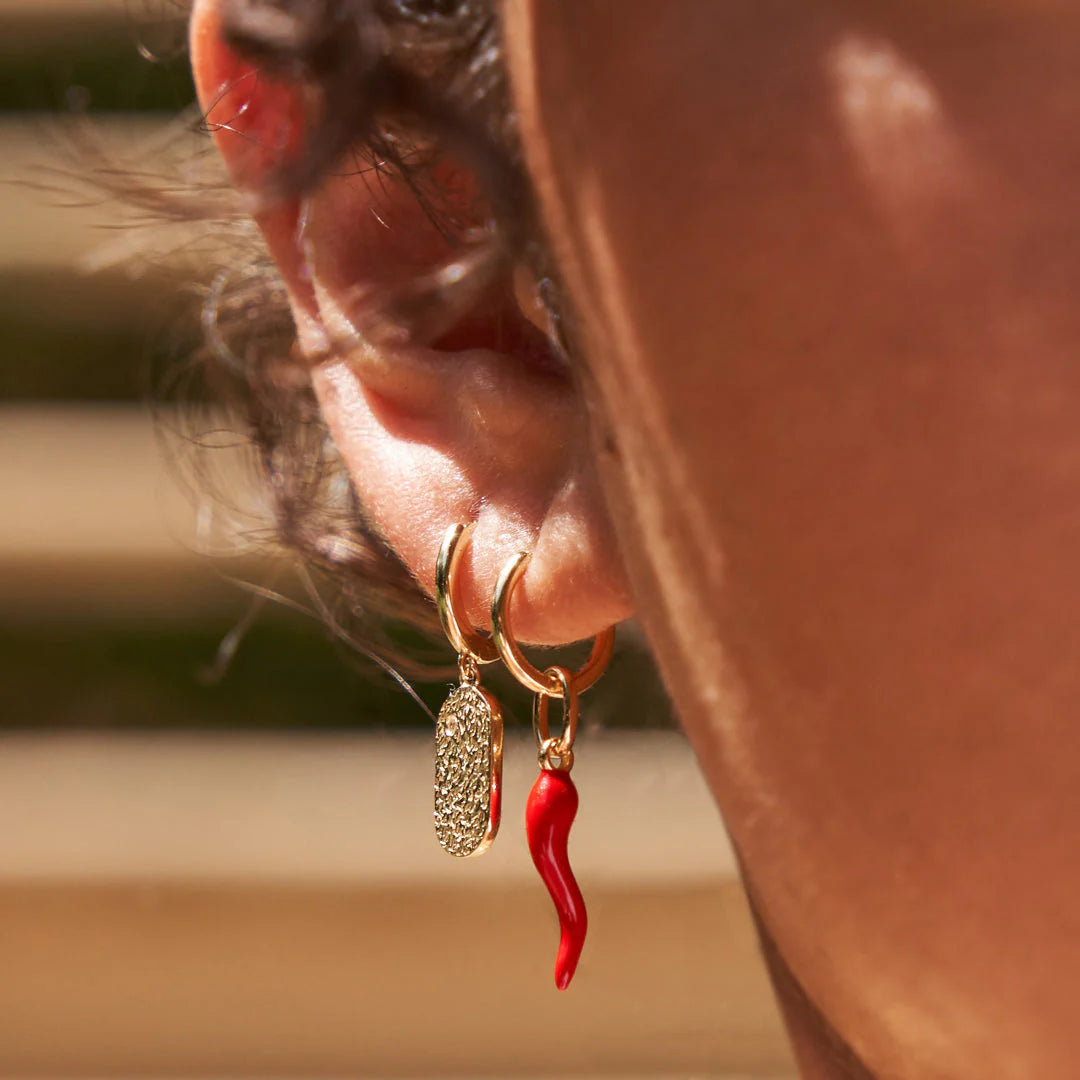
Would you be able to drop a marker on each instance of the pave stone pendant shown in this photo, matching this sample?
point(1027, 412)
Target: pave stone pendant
point(469, 728)
point(468, 768)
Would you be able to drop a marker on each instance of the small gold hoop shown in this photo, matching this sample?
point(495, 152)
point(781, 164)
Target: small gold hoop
point(570, 713)
point(465, 642)
point(527, 674)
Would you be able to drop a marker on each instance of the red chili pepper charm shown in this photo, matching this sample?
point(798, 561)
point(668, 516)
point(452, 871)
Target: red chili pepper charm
point(549, 813)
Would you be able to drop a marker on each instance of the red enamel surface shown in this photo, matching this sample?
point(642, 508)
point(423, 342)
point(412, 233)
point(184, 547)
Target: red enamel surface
point(496, 798)
point(549, 813)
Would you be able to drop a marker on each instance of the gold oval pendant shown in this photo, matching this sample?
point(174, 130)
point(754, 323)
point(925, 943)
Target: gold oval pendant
point(468, 771)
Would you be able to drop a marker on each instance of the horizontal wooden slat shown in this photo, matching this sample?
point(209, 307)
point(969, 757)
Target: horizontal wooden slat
point(87, 483)
point(49, 220)
point(54, 216)
point(325, 808)
point(90, 513)
point(68, 9)
point(158, 980)
point(278, 906)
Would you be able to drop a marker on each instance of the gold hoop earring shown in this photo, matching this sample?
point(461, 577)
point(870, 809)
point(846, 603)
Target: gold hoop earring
point(469, 727)
point(553, 801)
point(539, 682)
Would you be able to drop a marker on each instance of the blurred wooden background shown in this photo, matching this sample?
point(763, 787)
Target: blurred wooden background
point(235, 877)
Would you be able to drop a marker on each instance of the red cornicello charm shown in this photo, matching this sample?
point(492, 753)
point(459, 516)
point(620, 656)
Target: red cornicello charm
point(549, 813)
point(553, 801)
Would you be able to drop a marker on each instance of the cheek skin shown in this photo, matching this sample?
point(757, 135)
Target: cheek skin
point(843, 390)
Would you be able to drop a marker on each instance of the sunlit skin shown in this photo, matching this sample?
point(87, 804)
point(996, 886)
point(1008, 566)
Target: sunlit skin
point(826, 257)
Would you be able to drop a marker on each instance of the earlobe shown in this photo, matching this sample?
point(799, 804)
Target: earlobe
point(479, 425)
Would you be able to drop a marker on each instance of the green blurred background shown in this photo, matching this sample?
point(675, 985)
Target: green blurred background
point(108, 617)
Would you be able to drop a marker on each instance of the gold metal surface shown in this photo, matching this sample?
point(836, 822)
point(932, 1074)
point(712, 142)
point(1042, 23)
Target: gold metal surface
point(463, 640)
point(468, 771)
point(570, 712)
point(553, 756)
point(526, 673)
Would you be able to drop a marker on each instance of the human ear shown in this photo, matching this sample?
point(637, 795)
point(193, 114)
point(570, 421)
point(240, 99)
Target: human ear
point(480, 424)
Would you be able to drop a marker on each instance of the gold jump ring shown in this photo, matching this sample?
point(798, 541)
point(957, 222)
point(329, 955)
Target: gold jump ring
point(541, 729)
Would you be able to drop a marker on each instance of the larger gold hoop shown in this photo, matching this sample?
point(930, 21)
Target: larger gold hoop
point(537, 681)
point(465, 642)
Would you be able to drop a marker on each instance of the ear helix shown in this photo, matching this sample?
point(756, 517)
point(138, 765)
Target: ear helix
point(257, 120)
